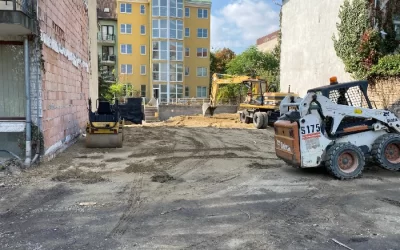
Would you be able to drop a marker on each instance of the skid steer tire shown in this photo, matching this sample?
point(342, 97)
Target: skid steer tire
point(258, 120)
point(386, 152)
point(345, 161)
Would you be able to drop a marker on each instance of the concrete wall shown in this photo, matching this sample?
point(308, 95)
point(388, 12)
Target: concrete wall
point(64, 28)
point(268, 46)
point(386, 94)
point(167, 111)
point(308, 57)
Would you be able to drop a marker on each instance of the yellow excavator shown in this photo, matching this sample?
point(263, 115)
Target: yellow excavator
point(260, 105)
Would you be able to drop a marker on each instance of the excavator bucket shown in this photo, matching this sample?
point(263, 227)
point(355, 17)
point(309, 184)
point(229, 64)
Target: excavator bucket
point(208, 109)
point(105, 127)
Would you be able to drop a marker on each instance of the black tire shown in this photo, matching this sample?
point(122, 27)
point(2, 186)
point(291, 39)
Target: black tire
point(242, 117)
point(386, 152)
point(247, 118)
point(258, 120)
point(265, 116)
point(349, 152)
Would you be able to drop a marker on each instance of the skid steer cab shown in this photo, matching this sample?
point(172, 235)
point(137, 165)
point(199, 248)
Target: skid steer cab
point(105, 126)
point(336, 127)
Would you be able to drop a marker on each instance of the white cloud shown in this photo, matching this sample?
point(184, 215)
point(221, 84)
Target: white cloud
point(240, 23)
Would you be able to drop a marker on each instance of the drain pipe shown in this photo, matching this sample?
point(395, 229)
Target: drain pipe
point(28, 147)
point(38, 116)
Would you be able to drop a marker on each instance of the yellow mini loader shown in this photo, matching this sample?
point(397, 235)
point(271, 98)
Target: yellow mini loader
point(105, 126)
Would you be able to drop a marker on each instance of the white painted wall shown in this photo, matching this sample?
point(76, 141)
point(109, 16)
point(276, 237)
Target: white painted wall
point(308, 57)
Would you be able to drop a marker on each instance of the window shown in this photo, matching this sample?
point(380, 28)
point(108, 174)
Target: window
point(160, 28)
point(160, 51)
point(143, 90)
point(201, 72)
point(186, 71)
point(142, 9)
point(143, 49)
point(202, 33)
point(126, 48)
point(143, 69)
point(187, 52)
point(142, 29)
point(126, 69)
point(126, 28)
point(201, 92)
point(202, 13)
point(187, 12)
point(125, 8)
point(176, 51)
point(397, 29)
point(202, 52)
point(159, 8)
point(176, 8)
point(107, 32)
point(187, 91)
point(176, 72)
point(187, 32)
point(160, 71)
point(176, 29)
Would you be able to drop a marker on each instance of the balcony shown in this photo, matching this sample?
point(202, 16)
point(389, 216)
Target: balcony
point(108, 77)
point(18, 17)
point(108, 59)
point(106, 38)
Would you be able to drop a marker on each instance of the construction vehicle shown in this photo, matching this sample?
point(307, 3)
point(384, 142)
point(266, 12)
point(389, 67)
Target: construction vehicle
point(258, 106)
point(105, 126)
point(336, 127)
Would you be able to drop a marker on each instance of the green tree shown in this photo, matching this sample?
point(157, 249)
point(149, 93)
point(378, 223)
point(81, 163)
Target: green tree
point(253, 62)
point(222, 58)
point(354, 23)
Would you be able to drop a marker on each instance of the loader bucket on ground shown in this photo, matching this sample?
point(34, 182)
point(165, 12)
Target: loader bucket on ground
point(208, 110)
point(104, 140)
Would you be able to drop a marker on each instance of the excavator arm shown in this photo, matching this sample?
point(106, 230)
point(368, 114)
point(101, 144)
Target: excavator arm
point(217, 80)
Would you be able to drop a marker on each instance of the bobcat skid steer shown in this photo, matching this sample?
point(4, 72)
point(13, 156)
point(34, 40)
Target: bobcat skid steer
point(335, 126)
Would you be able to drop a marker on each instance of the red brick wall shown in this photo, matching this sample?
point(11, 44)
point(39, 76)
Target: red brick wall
point(65, 87)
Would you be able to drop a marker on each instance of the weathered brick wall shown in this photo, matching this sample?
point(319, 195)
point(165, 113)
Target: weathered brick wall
point(65, 81)
point(386, 94)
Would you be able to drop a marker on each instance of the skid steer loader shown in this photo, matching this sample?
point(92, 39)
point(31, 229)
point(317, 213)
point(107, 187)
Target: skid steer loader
point(336, 127)
point(105, 126)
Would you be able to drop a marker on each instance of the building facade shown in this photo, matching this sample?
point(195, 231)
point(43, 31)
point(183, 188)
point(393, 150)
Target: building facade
point(107, 40)
point(268, 43)
point(44, 75)
point(163, 48)
point(308, 56)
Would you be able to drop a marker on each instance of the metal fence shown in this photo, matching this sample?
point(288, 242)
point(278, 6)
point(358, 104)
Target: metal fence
point(28, 7)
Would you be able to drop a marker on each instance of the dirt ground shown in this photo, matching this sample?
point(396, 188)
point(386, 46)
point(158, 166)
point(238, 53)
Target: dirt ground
point(186, 184)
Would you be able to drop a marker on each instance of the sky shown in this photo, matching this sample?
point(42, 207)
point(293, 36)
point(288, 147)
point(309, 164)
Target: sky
point(237, 24)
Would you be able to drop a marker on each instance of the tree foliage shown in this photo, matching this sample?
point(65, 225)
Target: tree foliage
point(252, 62)
point(354, 22)
point(222, 58)
point(360, 44)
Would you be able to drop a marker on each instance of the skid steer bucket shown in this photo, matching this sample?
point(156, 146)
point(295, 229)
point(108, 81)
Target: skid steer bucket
point(105, 127)
point(208, 109)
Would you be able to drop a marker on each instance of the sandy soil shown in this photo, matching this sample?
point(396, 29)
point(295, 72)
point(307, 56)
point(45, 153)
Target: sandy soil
point(199, 121)
point(194, 187)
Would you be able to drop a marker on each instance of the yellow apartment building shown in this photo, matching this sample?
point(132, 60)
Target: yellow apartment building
point(164, 47)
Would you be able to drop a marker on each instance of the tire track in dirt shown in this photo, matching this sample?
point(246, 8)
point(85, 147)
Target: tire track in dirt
point(283, 209)
point(135, 203)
